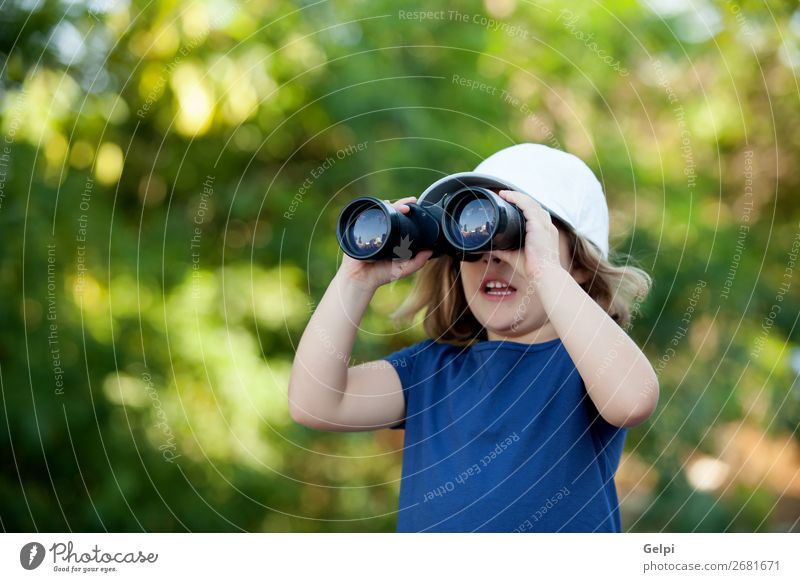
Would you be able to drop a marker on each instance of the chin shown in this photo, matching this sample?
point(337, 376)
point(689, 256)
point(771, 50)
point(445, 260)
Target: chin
point(501, 329)
point(501, 315)
point(502, 323)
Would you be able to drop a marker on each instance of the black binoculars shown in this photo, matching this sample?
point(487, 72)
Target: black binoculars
point(462, 217)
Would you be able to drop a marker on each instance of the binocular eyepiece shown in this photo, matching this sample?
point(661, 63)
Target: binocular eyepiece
point(465, 223)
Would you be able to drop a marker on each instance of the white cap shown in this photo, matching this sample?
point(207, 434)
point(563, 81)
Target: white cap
point(562, 183)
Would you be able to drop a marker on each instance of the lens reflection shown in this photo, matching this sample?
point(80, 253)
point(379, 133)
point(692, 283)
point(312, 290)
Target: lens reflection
point(475, 223)
point(369, 230)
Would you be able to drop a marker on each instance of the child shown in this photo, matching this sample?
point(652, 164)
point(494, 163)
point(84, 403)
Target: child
point(516, 408)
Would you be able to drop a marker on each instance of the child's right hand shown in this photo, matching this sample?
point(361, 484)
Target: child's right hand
point(371, 275)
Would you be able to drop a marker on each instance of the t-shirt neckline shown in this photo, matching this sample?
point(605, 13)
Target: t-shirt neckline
point(519, 346)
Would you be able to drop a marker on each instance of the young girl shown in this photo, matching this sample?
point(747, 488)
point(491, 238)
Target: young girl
point(516, 407)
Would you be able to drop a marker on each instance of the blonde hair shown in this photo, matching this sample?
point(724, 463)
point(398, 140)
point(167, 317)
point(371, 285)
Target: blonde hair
point(438, 292)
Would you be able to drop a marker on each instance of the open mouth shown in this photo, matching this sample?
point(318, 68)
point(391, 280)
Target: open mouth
point(496, 290)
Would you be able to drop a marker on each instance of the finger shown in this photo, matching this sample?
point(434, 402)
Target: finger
point(422, 256)
point(404, 201)
point(522, 201)
point(419, 259)
point(402, 269)
point(401, 204)
point(529, 206)
point(518, 198)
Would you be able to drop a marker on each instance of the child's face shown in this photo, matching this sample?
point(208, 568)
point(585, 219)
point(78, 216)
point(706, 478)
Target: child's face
point(511, 311)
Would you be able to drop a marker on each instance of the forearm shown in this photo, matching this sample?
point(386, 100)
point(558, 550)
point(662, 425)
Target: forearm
point(618, 377)
point(319, 372)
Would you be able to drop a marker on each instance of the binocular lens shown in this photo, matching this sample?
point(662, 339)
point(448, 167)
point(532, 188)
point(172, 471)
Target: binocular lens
point(368, 231)
point(476, 222)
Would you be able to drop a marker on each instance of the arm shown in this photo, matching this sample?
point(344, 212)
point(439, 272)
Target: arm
point(618, 377)
point(323, 392)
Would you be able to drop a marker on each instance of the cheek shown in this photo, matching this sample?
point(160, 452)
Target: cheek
point(471, 276)
point(469, 287)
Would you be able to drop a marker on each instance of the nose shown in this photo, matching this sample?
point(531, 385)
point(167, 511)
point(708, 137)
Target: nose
point(490, 257)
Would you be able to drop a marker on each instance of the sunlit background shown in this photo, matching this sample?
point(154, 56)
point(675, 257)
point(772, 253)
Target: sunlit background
point(170, 177)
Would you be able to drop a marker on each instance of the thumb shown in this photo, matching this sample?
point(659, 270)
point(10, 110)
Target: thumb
point(419, 260)
point(400, 269)
point(423, 256)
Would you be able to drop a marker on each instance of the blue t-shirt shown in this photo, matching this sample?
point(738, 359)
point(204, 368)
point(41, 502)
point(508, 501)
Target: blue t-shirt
point(502, 437)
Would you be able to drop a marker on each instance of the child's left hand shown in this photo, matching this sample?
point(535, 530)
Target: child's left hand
point(541, 251)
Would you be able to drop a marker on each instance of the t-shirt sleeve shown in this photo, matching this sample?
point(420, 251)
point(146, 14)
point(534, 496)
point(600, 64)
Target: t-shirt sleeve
point(403, 361)
point(609, 439)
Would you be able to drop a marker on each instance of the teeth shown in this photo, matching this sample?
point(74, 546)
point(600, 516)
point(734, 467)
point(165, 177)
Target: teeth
point(497, 288)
